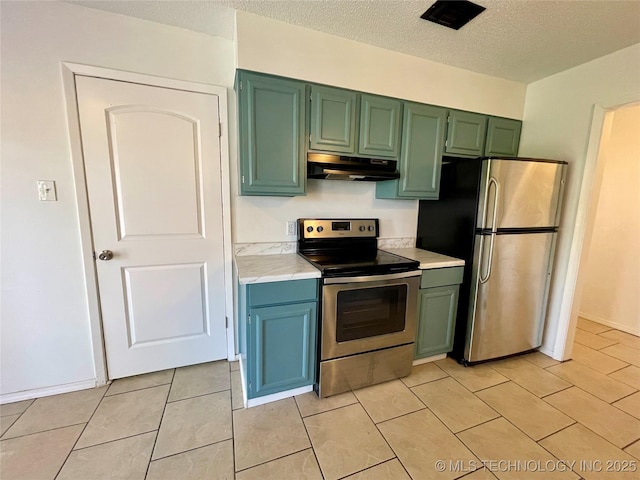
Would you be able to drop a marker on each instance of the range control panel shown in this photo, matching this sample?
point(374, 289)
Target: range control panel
point(338, 228)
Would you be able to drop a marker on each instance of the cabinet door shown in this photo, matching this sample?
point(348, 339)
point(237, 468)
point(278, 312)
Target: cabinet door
point(282, 348)
point(503, 137)
point(423, 134)
point(379, 126)
point(465, 134)
point(272, 126)
point(333, 120)
point(437, 308)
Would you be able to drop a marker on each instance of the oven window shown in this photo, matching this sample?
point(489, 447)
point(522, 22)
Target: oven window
point(367, 312)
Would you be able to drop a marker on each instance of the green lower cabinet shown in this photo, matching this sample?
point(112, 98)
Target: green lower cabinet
point(278, 335)
point(283, 348)
point(437, 309)
point(503, 137)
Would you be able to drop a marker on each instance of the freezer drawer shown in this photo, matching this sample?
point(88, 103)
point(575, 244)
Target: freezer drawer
point(508, 294)
point(519, 194)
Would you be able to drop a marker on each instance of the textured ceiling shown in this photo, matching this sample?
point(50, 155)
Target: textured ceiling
point(522, 40)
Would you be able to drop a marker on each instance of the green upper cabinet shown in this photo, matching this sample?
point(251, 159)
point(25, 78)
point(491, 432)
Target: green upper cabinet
point(333, 120)
point(379, 126)
point(423, 136)
point(272, 119)
point(466, 134)
point(503, 137)
point(343, 121)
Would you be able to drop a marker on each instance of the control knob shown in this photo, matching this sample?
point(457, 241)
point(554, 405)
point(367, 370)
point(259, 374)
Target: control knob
point(371, 228)
point(320, 229)
point(309, 229)
point(362, 228)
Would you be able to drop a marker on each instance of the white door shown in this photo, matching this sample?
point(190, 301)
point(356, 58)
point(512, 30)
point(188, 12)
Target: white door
point(152, 160)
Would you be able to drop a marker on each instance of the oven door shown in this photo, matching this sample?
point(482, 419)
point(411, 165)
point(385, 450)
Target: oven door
point(361, 314)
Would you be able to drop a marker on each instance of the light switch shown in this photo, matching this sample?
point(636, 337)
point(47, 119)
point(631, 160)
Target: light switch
point(47, 190)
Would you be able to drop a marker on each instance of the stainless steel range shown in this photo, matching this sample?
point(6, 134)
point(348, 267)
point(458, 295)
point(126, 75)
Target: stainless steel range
point(369, 304)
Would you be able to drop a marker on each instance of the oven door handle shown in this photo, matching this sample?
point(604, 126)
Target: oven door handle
point(371, 278)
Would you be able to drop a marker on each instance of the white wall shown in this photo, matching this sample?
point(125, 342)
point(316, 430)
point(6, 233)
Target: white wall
point(557, 124)
point(44, 325)
point(271, 46)
point(612, 269)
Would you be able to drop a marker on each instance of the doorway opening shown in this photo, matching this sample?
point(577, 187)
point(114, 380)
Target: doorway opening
point(609, 270)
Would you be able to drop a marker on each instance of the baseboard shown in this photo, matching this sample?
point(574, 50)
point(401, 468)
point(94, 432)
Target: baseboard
point(547, 352)
point(420, 361)
point(609, 323)
point(47, 391)
point(254, 402)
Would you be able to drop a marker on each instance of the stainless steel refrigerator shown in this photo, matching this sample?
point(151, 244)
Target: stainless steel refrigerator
point(501, 216)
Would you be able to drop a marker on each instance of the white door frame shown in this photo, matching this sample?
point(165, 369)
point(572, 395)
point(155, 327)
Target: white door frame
point(583, 227)
point(69, 72)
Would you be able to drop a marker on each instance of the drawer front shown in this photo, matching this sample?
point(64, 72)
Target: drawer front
point(441, 276)
point(274, 293)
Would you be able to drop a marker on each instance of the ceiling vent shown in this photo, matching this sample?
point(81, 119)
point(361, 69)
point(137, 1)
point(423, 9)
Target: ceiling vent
point(452, 13)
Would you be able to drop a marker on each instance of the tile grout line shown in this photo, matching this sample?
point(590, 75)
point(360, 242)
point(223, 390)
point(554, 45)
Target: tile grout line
point(202, 395)
point(19, 416)
point(467, 474)
point(309, 436)
point(521, 430)
point(571, 385)
point(424, 383)
point(502, 416)
point(474, 426)
point(233, 426)
point(491, 386)
point(111, 441)
point(274, 459)
point(591, 430)
point(614, 371)
point(42, 431)
point(632, 443)
point(395, 455)
point(136, 389)
point(329, 410)
point(164, 409)
point(373, 466)
point(558, 431)
point(187, 450)
point(81, 433)
point(622, 398)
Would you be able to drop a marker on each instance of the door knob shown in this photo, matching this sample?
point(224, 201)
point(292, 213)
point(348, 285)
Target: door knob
point(105, 255)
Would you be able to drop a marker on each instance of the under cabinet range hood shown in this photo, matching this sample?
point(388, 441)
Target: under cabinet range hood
point(337, 167)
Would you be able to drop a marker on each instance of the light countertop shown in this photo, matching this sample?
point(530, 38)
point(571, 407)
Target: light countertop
point(290, 266)
point(426, 258)
point(273, 268)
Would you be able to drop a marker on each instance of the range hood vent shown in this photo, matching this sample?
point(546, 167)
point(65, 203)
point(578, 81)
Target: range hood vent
point(337, 167)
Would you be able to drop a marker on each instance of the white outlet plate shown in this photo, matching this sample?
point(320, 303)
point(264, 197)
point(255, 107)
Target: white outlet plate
point(47, 190)
point(291, 228)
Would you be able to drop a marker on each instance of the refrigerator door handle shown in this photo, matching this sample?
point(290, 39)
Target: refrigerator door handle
point(496, 185)
point(483, 279)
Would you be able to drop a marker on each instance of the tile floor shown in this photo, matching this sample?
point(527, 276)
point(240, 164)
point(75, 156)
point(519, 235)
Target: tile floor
point(518, 417)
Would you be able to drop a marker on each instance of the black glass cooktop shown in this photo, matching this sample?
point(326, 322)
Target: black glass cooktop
point(353, 263)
